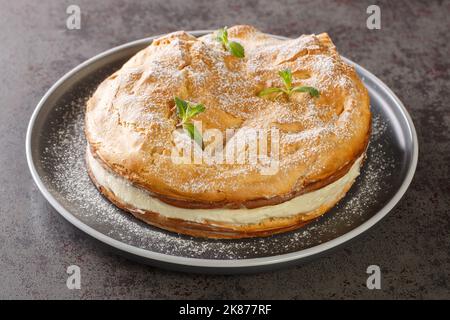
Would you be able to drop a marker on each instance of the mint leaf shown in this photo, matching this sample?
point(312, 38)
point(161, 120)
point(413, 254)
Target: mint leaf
point(181, 108)
point(193, 133)
point(192, 111)
point(219, 35)
point(185, 111)
point(313, 92)
point(286, 75)
point(268, 91)
point(222, 35)
point(236, 49)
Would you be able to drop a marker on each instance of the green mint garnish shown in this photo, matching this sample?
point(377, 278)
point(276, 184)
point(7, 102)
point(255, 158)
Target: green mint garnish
point(286, 76)
point(235, 48)
point(313, 92)
point(186, 111)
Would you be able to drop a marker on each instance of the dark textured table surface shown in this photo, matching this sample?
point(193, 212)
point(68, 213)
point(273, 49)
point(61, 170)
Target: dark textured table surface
point(410, 53)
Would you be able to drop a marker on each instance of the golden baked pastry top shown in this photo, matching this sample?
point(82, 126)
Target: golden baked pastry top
point(130, 119)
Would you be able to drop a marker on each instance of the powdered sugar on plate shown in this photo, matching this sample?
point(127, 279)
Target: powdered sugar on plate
point(62, 158)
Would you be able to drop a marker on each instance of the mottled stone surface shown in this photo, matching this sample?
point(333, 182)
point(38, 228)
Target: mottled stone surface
point(410, 54)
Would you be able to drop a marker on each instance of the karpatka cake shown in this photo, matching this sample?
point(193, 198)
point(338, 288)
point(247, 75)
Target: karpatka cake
point(298, 91)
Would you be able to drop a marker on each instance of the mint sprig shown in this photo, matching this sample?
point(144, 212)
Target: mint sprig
point(286, 76)
point(235, 48)
point(186, 111)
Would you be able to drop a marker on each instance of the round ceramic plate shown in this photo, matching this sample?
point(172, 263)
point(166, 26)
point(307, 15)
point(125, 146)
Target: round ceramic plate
point(55, 147)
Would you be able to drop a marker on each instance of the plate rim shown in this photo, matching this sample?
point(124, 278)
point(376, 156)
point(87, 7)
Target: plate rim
point(217, 263)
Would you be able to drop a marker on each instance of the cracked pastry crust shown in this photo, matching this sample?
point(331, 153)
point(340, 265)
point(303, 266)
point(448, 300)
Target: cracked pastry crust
point(130, 119)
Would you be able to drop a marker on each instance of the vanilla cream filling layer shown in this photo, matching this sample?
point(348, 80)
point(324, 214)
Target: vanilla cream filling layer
point(141, 199)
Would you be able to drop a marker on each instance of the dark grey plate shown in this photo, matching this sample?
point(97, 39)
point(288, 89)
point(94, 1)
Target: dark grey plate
point(55, 150)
